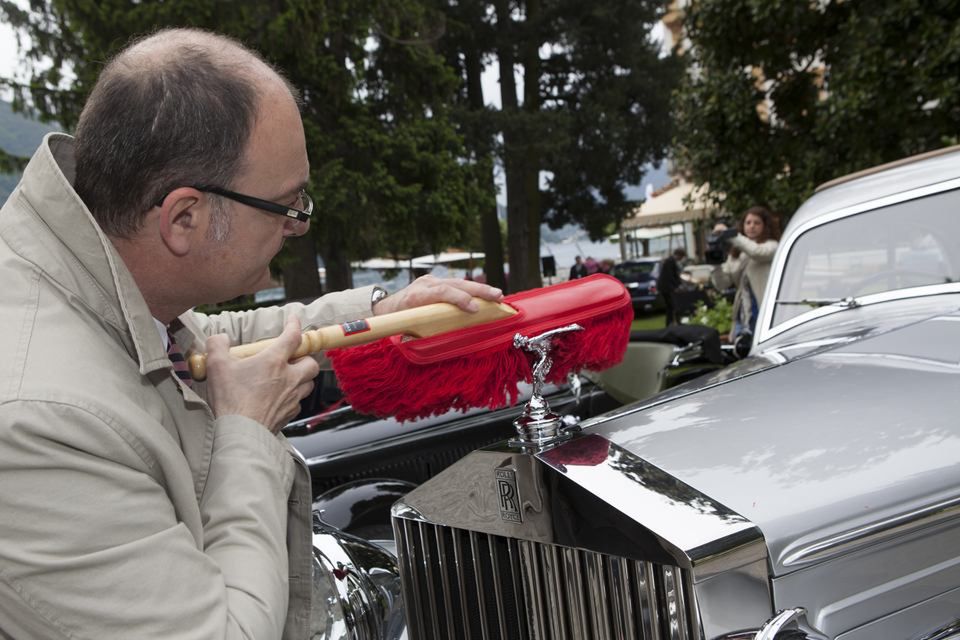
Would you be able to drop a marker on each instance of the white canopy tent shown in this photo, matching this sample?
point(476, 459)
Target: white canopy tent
point(389, 263)
point(666, 220)
point(678, 202)
point(449, 257)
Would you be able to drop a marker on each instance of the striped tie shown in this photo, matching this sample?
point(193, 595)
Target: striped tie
point(180, 366)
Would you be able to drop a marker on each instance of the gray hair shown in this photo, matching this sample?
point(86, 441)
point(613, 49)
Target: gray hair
point(173, 109)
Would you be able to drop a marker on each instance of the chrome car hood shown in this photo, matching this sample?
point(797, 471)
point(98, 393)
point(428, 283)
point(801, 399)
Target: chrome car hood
point(817, 477)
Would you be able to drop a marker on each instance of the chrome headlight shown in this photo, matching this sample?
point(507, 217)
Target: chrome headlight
point(356, 588)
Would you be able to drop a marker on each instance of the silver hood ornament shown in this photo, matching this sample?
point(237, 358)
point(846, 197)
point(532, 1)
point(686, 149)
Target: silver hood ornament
point(538, 427)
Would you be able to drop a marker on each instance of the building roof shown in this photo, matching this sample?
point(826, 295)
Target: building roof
point(679, 201)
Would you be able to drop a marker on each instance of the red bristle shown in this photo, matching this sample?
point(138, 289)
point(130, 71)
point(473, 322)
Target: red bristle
point(377, 379)
point(599, 346)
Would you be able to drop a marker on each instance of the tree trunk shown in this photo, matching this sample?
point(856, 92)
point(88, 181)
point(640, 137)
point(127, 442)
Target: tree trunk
point(301, 280)
point(517, 219)
point(530, 59)
point(489, 220)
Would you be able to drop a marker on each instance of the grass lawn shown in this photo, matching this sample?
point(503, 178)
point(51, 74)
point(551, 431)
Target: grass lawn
point(647, 322)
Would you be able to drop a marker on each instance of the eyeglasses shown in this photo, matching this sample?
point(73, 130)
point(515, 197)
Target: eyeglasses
point(303, 215)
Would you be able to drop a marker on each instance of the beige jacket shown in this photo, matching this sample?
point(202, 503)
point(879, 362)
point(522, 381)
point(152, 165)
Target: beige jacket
point(751, 269)
point(126, 509)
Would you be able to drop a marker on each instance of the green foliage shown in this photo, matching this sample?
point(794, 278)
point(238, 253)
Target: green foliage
point(386, 164)
point(594, 108)
point(606, 98)
point(719, 315)
point(847, 85)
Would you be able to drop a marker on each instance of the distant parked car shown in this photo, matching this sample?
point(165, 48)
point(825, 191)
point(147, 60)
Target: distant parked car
point(640, 278)
point(807, 492)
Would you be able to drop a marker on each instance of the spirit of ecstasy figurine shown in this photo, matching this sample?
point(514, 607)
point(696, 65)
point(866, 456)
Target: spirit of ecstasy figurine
point(538, 426)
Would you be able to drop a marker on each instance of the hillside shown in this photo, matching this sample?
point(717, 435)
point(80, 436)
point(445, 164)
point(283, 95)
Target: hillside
point(19, 136)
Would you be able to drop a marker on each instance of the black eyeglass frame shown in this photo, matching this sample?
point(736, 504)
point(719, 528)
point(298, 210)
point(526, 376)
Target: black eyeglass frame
point(303, 215)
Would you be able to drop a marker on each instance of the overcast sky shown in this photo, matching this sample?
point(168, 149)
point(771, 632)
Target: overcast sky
point(8, 50)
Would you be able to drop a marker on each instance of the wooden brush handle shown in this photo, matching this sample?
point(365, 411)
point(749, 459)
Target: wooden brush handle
point(418, 322)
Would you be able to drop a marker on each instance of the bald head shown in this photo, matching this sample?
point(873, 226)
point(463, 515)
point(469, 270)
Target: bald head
point(173, 109)
point(165, 49)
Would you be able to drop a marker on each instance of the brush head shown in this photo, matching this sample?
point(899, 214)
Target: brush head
point(478, 366)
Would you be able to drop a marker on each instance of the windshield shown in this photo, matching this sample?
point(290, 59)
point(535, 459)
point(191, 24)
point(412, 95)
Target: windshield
point(636, 270)
point(909, 244)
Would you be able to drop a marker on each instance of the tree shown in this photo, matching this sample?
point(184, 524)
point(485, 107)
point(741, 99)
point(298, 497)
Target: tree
point(386, 165)
point(783, 96)
point(594, 109)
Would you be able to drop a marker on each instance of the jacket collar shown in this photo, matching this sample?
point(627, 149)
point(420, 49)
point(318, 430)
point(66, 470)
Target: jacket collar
point(86, 264)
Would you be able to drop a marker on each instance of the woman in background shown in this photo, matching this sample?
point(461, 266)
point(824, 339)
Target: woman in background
point(748, 265)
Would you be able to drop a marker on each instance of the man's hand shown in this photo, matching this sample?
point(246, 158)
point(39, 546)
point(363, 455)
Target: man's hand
point(428, 289)
point(266, 387)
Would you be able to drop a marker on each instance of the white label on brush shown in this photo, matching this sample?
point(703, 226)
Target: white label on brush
point(357, 326)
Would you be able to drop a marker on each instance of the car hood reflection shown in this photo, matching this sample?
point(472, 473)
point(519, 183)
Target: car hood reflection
point(815, 445)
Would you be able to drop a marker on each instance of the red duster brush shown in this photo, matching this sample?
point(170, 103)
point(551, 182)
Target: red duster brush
point(427, 360)
point(479, 366)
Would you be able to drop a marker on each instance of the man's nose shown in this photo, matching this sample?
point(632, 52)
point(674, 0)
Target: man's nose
point(293, 228)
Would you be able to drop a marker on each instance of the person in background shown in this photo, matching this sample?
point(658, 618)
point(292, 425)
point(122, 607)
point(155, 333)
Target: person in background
point(578, 270)
point(591, 265)
point(136, 502)
point(668, 281)
point(606, 266)
point(747, 266)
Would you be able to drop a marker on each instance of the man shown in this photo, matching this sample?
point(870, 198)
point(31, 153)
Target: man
point(136, 505)
point(668, 281)
point(578, 270)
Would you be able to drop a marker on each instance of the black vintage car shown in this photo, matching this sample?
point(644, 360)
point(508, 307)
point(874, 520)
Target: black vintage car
point(360, 464)
point(640, 278)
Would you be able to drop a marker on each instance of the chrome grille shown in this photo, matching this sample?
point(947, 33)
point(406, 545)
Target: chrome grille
point(464, 584)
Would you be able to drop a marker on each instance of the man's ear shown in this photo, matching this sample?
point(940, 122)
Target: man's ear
point(182, 219)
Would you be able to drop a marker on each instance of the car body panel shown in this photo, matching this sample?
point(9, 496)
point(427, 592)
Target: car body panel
point(778, 473)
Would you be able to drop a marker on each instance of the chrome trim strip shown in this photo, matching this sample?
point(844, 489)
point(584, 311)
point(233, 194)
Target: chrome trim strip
point(442, 561)
point(531, 581)
point(497, 589)
point(596, 585)
point(647, 591)
point(428, 565)
point(417, 625)
point(462, 585)
point(516, 579)
point(693, 610)
point(764, 330)
point(576, 598)
point(624, 625)
point(873, 533)
point(551, 590)
point(675, 606)
point(478, 577)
